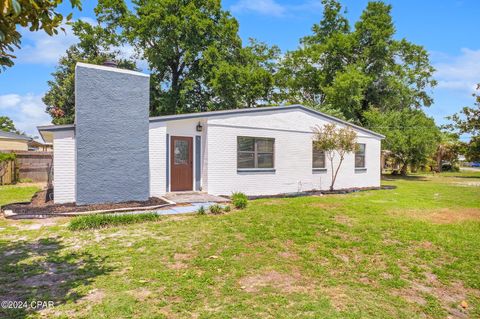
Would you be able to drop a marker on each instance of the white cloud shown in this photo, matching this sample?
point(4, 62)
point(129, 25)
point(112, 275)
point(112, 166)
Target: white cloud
point(8, 101)
point(40, 48)
point(26, 111)
point(460, 72)
point(268, 7)
point(273, 8)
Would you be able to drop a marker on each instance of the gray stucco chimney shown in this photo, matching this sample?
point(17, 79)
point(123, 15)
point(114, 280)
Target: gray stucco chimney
point(111, 133)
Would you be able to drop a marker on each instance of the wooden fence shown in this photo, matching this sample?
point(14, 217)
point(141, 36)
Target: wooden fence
point(7, 172)
point(34, 166)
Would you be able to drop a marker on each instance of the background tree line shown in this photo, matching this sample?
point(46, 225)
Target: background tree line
point(198, 62)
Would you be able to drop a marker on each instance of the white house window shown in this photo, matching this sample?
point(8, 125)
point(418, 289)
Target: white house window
point(318, 157)
point(255, 152)
point(360, 156)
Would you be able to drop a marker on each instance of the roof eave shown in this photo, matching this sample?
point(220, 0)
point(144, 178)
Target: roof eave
point(53, 128)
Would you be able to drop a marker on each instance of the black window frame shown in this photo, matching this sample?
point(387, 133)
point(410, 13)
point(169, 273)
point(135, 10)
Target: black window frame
point(255, 153)
point(314, 149)
point(361, 155)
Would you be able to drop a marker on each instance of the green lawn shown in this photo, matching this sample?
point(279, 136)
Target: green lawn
point(411, 252)
point(14, 193)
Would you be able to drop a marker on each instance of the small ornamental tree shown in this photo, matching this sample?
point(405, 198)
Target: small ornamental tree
point(333, 140)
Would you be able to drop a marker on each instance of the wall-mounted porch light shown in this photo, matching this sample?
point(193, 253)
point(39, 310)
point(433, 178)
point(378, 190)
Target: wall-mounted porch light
point(199, 127)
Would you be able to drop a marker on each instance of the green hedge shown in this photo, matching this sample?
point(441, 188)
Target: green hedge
point(106, 220)
point(6, 157)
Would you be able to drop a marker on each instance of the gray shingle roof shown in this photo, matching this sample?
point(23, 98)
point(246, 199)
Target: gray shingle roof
point(14, 136)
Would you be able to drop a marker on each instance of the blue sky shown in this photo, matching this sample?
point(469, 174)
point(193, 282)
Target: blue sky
point(448, 29)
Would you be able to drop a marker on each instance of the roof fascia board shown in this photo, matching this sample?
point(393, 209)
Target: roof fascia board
point(53, 128)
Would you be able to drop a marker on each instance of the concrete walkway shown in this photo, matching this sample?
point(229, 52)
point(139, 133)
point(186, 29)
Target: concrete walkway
point(177, 209)
point(194, 197)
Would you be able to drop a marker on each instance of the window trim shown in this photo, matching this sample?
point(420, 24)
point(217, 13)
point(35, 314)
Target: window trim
point(255, 155)
point(319, 169)
point(364, 167)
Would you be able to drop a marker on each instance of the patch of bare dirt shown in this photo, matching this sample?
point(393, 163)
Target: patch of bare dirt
point(52, 278)
point(141, 294)
point(445, 215)
point(179, 261)
point(391, 242)
point(94, 296)
point(337, 295)
point(450, 295)
point(182, 257)
point(349, 256)
point(344, 220)
point(240, 236)
point(288, 283)
point(426, 245)
point(344, 236)
point(35, 224)
point(288, 255)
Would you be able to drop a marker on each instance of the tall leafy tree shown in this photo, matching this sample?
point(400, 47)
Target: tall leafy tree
point(467, 121)
point(34, 15)
point(448, 149)
point(354, 70)
point(96, 45)
point(410, 135)
point(181, 40)
point(333, 22)
point(248, 80)
point(6, 124)
point(400, 71)
point(304, 73)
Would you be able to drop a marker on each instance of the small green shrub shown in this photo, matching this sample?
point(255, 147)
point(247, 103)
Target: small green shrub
point(201, 211)
point(106, 220)
point(216, 209)
point(7, 157)
point(26, 180)
point(227, 208)
point(239, 200)
point(448, 167)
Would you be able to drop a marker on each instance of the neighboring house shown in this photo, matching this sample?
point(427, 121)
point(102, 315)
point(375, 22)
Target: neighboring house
point(37, 146)
point(115, 152)
point(13, 142)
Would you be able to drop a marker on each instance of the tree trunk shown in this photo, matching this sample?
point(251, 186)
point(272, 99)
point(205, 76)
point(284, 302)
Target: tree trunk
point(336, 173)
point(403, 171)
point(333, 177)
point(439, 162)
point(413, 168)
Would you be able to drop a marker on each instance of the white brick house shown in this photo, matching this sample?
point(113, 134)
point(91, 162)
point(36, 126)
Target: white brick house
point(258, 151)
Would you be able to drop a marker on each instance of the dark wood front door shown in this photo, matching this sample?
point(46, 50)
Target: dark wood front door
point(181, 164)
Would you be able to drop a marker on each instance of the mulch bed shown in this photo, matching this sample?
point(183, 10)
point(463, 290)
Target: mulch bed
point(326, 192)
point(40, 206)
